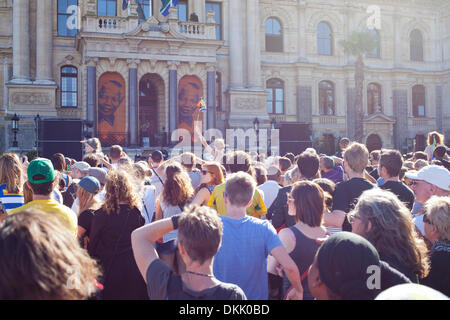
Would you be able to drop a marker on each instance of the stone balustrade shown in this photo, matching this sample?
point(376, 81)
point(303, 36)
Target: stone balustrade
point(197, 30)
point(109, 24)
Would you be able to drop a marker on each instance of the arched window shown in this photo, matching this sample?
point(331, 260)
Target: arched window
point(324, 39)
point(274, 36)
point(69, 87)
point(373, 98)
point(418, 100)
point(107, 8)
point(416, 45)
point(326, 98)
point(275, 99)
point(375, 53)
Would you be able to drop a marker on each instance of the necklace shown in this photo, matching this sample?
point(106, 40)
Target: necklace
point(201, 274)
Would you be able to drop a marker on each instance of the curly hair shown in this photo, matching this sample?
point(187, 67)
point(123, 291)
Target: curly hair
point(393, 232)
point(177, 188)
point(119, 189)
point(11, 172)
point(39, 260)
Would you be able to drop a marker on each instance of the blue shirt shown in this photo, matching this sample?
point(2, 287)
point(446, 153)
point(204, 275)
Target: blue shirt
point(10, 200)
point(242, 257)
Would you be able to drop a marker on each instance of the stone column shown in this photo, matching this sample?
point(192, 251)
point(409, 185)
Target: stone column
point(21, 41)
point(92, 93)
point(211, 101)
point(304, 104)
point(253, 45)
point(7, 68)
point(400, 97)
point(173, 98)
point(439, 113)
point(133, 89)
point(236, 51)
point(44, 42)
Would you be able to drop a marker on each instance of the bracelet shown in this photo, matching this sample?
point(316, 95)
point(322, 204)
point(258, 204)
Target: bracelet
point(175, 219)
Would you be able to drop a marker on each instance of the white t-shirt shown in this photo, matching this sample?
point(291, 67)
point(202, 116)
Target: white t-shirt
point(270, 189)
point(149, 200)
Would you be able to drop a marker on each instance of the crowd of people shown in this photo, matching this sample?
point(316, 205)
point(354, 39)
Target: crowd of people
point(230, 225)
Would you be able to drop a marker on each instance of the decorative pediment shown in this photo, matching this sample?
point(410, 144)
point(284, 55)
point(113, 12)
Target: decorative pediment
point(379, 117)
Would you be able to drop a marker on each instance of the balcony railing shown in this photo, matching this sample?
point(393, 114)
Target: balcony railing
point(119, 25)
point(112, 25)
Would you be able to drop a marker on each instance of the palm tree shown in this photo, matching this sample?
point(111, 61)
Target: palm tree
point(358, 44)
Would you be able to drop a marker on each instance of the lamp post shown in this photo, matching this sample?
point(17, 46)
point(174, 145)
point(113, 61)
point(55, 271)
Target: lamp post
point(15, 128)
point(37, 119)
point(256, 127)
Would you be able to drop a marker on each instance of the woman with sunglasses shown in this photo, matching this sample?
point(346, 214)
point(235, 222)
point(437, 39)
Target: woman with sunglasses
point(307, 203)
point(381, 218)
point(211, 177)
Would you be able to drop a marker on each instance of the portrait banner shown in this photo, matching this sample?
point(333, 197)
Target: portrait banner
point(111, 117)
point(190, 93)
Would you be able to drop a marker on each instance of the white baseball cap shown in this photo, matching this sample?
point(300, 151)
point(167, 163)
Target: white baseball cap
point(436, 175)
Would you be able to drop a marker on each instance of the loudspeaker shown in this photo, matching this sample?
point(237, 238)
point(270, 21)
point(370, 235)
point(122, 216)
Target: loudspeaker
point(60, 135)
point(296, 147)
point(295, 131)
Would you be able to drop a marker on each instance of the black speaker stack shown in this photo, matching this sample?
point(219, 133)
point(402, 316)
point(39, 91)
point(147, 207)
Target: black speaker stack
point(60, 135)
point(295, 137)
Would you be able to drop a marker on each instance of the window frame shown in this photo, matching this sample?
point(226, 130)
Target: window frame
point(273, 38)
point(68, 75)
point(377, 55)
point(324, 111)
point(185, 2)
point(271, 86)
point(417, 98)
point(416, 47)
point(106, 3)
point(330, 39)
point(67, 15)
point(219, 31)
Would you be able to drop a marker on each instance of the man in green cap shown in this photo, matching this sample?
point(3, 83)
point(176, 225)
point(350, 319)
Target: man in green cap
point(42, 180)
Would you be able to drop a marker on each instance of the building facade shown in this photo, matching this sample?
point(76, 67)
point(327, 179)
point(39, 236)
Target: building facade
point(135, 74)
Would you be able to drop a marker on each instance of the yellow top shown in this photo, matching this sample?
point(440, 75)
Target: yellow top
point(63, 213)
point(257, 208)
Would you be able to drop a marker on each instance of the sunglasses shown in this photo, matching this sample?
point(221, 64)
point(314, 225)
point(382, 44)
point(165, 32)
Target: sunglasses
point(205, 172)
point(426, 219)
point(352, 217)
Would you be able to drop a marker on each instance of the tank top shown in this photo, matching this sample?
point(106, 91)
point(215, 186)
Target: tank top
point(303, 256)
point(169, 211)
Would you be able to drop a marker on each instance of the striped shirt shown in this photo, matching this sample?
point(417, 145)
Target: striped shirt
point(10, 200)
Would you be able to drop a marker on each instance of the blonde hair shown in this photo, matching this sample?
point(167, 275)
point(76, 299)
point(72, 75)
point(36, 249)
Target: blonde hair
point(87, 200)
point(393, 232)
point(11, 172)
point(419, 164)
point(27, 193)
point(357, 157)
point(119, 188)
point(438, 211)
point(240, 188)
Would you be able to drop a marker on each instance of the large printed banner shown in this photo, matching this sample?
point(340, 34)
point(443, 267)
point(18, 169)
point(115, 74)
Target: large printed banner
point(111, 125)
point(190, 91)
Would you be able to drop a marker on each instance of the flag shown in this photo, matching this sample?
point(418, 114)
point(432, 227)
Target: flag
point(125, 4)
point(166, 4)
point(202, 105)
point(434, 147)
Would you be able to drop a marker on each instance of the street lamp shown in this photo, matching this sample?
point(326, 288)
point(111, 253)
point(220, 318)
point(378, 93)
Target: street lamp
point(15, 128)
point(273, 123)
point(37, 119)
point(256, 127)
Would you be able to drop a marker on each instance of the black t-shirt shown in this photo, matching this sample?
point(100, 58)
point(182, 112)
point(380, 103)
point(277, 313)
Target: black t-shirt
point(402, 191)
point(346, 196)
point(85, 219)
point(163, 284)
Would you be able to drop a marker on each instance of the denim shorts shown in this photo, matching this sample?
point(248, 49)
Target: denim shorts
point(167, 247)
